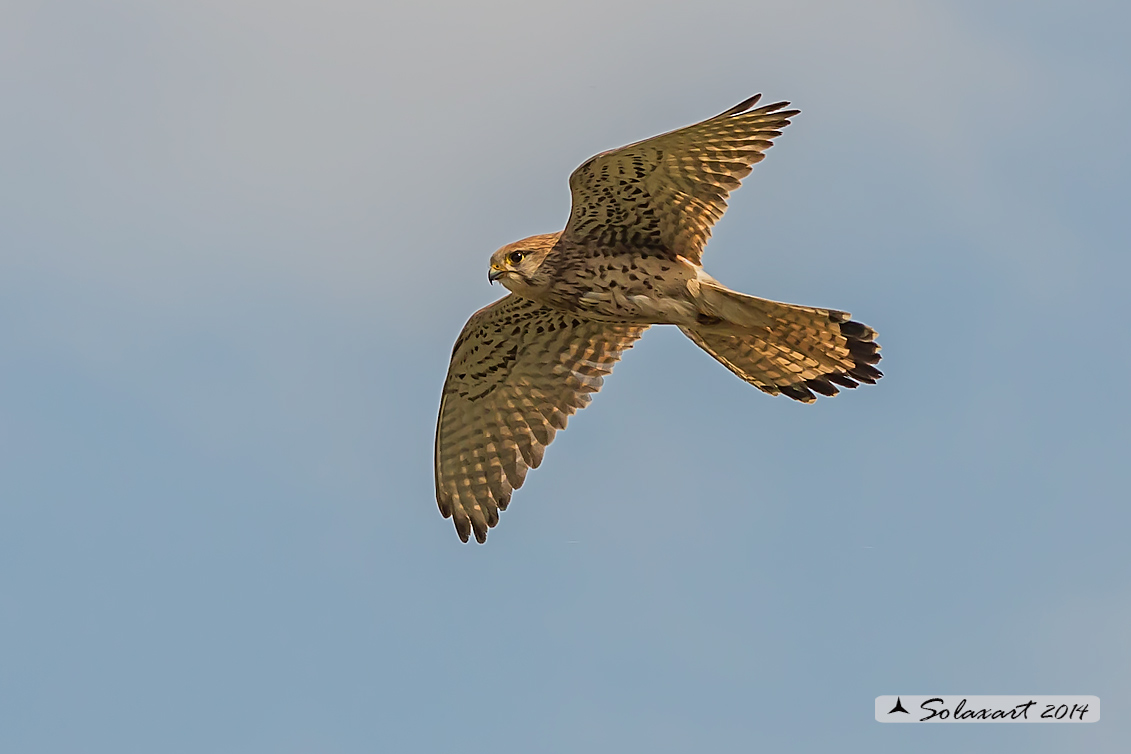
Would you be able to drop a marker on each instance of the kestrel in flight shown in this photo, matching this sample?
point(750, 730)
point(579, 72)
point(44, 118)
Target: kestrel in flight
point(629, 257)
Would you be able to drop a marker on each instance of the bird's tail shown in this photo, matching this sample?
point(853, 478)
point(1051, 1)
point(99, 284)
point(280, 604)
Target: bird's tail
point(785, 349)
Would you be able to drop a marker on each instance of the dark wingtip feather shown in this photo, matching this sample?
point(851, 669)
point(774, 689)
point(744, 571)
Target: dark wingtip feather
point(865, 373)
point(864, 352)
point(842, 379)
point(822, 385)
point(743, 106)
point(776, 110)
point(855, 330)
point(798, 393)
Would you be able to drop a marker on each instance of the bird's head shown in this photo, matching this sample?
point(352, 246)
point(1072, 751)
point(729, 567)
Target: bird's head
point(516, 264)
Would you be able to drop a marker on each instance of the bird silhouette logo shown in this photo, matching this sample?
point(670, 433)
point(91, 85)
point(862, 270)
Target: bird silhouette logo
point(899, 707)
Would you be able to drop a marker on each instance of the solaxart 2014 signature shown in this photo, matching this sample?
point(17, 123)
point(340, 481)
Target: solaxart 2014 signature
point(935, 707)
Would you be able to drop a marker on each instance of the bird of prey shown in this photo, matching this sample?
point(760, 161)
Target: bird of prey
point(628, 258)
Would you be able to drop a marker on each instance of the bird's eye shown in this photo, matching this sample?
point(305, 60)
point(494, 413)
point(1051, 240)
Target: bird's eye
point(515, 257)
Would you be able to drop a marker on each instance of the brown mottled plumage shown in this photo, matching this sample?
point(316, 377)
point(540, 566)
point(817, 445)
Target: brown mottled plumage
point(629, 257)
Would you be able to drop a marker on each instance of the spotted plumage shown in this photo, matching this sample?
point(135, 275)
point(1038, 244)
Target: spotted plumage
point(629, 257)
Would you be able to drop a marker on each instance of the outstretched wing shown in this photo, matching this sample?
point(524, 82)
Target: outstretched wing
point(518, 371)
point(662, 195)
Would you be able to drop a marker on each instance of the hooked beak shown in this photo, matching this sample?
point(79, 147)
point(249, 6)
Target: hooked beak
point(495, 273)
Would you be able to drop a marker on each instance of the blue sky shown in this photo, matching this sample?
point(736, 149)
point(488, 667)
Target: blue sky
point(238, 239)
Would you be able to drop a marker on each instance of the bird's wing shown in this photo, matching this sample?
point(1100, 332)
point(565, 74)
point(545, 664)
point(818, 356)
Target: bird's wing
point(518, 371)
point(662, 195)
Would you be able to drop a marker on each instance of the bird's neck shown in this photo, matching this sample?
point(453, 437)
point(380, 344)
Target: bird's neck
point(533, 287)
